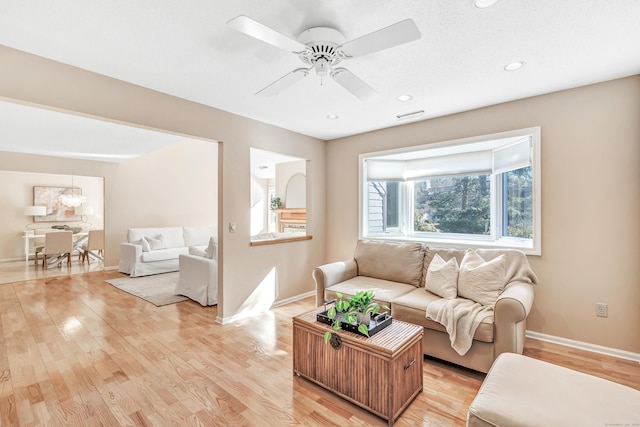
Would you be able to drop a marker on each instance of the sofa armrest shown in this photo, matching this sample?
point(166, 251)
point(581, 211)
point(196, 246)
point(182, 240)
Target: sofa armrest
point(511, 311)
point(129, 255)
point(330, 274)
point(198, 279)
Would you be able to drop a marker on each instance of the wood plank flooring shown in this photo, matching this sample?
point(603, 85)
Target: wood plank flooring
point(75, 351)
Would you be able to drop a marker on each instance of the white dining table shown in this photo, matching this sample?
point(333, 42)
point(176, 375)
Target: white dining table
point(77, 237)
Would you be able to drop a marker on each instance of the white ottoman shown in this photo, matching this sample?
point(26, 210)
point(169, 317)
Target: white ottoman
point(521, 391)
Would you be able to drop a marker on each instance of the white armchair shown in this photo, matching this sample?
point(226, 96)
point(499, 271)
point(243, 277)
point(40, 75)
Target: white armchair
point(198, 279)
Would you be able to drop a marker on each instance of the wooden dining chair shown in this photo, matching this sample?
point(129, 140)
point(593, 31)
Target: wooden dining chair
point(58, 243)
point(95, 242)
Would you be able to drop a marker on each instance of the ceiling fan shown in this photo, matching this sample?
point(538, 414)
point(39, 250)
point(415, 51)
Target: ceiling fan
point(322, 48)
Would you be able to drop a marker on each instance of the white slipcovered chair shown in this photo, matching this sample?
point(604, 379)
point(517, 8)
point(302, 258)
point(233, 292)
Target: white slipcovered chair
point(198, 277)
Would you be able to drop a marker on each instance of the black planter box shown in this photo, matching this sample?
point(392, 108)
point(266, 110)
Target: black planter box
point(377, 323)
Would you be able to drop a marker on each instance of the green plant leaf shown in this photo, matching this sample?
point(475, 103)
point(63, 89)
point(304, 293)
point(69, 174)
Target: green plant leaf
point(337, 325)
point(364, 329)
point(327, 337)
point(350, 317)
point(331, 313)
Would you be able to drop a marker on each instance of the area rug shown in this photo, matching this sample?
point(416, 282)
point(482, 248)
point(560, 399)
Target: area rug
point(157, 289)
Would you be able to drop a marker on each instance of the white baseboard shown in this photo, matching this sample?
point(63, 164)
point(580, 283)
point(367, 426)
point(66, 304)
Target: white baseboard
point(113, 267)
point(594, 348)
point(229, 319)
point(12, 259)
point(293, 299)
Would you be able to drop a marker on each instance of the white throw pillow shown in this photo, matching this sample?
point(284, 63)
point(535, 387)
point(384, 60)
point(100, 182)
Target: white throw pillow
point(156, 243)
point(142, 242)
point(197, 252)
point(479, 280)
point(442, 277)
point(212, 249)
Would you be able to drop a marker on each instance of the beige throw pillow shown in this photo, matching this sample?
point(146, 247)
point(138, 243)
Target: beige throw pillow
point(479, 280)
point(442, 277)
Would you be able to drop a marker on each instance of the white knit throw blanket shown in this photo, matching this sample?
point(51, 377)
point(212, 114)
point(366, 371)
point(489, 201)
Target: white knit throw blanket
point(461, 317)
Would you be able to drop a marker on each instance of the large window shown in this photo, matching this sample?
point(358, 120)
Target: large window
point(480, 191)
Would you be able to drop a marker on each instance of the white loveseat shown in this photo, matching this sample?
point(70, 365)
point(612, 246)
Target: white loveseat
point(157, 250)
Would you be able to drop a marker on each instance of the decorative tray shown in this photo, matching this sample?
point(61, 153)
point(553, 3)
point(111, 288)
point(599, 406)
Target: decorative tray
point(377, 323)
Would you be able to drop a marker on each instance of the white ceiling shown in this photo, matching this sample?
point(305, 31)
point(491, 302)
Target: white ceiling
point(185, 49)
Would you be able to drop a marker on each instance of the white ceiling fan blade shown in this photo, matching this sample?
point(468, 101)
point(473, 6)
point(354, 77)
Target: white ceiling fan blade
point(353, 84)
point(253, 28)
point(283, 82)
point(393, 35)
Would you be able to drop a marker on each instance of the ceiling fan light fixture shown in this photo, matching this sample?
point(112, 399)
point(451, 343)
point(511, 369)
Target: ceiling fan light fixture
point(322, 67)
point(483, 4)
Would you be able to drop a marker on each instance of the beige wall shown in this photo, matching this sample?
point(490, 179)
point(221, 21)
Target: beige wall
point(590, 202)
point(16, 192)
point(173, 186)
point(242, 268)
point(284, 172)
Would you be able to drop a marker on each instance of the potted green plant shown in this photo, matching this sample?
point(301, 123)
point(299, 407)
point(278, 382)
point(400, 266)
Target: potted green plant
point(356, 309)
point(276, 203)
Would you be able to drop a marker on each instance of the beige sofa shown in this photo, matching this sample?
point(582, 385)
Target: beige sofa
point(397, 273)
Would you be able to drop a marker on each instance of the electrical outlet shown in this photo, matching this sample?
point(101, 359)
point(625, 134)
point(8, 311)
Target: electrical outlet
point(601, 309)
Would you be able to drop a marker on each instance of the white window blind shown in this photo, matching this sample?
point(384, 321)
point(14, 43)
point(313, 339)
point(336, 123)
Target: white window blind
point(474, 163)
point(512, 157)
point(497, 160)
point(385, 170)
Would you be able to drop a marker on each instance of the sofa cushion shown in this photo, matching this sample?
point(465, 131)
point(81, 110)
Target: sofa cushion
point(163, 254)
point(172, 235)
point(155, 243)
point(198, 236)
point(196, 251)
point(397, 262)
point(212, 248)
point(412, 308)
point(445, 253)
point(479, 280)
point(521, 390)
point(384, 291)
point(442, 277)
point(142, 242)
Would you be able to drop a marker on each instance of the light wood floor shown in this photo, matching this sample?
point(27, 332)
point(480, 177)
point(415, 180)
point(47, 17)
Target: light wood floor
point(14, 271)
point(77, 351)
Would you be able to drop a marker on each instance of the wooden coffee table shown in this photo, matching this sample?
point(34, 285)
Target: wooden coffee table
point(382, 374)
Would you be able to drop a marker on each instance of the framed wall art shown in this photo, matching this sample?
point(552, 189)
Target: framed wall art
point(51, 198)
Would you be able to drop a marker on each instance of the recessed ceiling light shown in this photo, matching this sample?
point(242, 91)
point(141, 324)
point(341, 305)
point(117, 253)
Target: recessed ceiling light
point(514, 66)
point(484, 3)
point(405, 98)
point(332, 117)
point(263, 167)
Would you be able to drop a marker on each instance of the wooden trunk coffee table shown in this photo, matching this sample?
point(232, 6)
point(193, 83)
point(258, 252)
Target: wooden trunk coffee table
point(381, 374)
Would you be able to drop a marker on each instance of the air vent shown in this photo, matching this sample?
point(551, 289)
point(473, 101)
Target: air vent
point(410, 115)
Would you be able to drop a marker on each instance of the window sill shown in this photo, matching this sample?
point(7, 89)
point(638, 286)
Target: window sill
point(278, 241)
